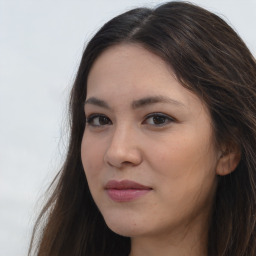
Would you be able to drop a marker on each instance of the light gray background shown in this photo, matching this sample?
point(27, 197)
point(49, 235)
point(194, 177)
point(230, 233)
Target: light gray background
point(40, 47)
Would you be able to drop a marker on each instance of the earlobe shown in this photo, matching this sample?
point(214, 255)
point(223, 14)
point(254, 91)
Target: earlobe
point(227, 163)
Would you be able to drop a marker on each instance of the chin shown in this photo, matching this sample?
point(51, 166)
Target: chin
point(124, 227)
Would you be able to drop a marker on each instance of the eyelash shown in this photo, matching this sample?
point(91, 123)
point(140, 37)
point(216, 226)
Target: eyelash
point(106, 121)
point(167, 119)
point(91, 119)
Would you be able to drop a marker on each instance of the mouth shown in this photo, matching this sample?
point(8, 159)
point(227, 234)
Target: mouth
point(125, 190)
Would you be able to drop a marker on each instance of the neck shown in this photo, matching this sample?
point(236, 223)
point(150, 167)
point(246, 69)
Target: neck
point(192, 242)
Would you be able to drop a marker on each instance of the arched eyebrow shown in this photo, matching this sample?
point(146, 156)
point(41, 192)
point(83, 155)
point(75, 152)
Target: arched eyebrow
point(97, 102)
point(155, 99)
point(137, 103)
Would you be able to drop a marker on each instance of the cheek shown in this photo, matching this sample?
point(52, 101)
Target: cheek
point(92, 157)
point(187, 151)
point(186, 166)
point(92, 160)
point(187, 181)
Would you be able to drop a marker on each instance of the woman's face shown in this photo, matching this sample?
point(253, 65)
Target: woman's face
point(147, 149)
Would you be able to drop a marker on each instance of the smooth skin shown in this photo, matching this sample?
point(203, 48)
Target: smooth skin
point(144, 126)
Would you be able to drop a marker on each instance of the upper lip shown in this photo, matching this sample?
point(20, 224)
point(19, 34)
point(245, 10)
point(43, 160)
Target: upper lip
point(125, 184)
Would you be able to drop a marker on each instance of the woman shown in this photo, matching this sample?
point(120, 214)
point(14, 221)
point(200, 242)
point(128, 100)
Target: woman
point(161, 158)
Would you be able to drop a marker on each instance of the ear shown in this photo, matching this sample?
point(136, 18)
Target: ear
point(228, 162)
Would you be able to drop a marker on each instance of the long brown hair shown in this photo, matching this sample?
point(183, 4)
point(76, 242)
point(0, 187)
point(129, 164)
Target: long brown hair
point(211, 60)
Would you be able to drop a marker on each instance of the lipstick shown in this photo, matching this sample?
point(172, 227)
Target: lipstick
point(125, 190)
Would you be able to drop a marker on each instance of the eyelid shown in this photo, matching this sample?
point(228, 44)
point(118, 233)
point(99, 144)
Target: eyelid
point(90, 118)
point(159, 114)
point(167, 119)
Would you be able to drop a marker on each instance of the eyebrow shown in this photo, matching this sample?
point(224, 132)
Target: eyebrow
point(137, 103)
point(97, 102)
point(155, 99)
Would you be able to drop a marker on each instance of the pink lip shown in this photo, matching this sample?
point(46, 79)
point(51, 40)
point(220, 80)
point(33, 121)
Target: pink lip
point(125, 190)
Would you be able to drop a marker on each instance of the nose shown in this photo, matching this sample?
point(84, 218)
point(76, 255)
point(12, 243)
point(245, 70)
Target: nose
point(123, 149)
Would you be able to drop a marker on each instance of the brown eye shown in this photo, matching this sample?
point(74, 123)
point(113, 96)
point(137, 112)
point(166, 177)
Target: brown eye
point(158, 119)
point(103, 120)
point(98, 120)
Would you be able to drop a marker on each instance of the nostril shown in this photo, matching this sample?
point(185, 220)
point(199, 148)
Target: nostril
point(123, 158)
point(123, 150)
point(119, 164)
point(126, 162)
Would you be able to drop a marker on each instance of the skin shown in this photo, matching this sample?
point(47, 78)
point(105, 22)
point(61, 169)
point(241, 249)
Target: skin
point(173, 153)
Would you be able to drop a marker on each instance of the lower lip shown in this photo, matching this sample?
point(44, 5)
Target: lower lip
point(126, 195)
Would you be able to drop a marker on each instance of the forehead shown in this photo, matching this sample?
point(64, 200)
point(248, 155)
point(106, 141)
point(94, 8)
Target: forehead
point(128, 66)
point(125, 58)
point(128, 72)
